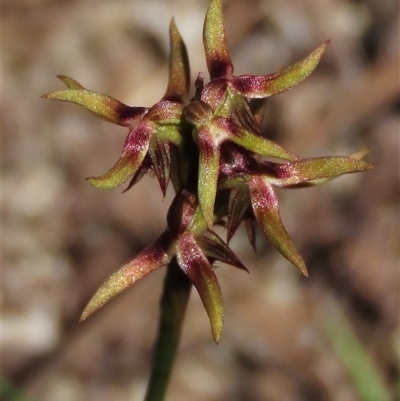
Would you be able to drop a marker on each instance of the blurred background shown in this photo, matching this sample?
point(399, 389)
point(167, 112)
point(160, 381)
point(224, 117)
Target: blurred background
point(331, 337)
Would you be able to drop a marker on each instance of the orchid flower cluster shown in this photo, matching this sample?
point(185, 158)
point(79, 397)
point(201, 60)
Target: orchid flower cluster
point(223, 168)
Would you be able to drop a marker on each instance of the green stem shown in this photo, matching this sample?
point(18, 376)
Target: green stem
point(173, 304)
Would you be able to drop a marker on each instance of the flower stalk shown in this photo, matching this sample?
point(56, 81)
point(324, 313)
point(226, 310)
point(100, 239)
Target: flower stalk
point(223, 168)
point(173, 304)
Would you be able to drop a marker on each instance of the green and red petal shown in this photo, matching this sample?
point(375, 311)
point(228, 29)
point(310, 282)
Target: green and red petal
point(179, 70)
point(208, 174)
point(150, 259)
point(196, 266)
point(216, 249)
point(256, 143)
point(260, 86)
point(101, 105)
point(135, 149)
point(302, 171)
point(266, 210)
point(217, 55)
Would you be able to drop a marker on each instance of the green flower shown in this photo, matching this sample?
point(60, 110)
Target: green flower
point(213, 151)
point(255, 188)
point(221, 112)
point(194, 247)
point(152, 131)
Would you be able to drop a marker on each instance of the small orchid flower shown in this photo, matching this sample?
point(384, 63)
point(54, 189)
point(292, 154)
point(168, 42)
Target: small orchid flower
point(213, 150)
point(209, 145)
point(255, 189)
point(195, 249)
point(152, 130)
point(222, 113)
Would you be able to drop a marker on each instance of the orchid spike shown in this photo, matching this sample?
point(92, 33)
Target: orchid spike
point(223, 168)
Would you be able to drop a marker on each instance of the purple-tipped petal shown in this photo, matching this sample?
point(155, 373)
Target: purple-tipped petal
point(101, 105)
point(260, 86)
point(266, 210)
point(179, 70)
point(196, 266)
point(215, 248)
point(217, 55)
point(147, 261)
point(135, 150)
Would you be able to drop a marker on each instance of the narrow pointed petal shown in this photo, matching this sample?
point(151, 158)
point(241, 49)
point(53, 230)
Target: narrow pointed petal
point(217, 55)
point(239, 202)
point(135, 150)
point(319, 168)
point(147, 261)
point(215, 248)
point(237, 110)
point(266, 209)
point(179, 70)
point(70, 82)
point(208, 174)
point(250, 225)
point(196, 266)
point(260, 145)
point(253, 86)
point(159, 152)
point(136, 178)
point(101, 105)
